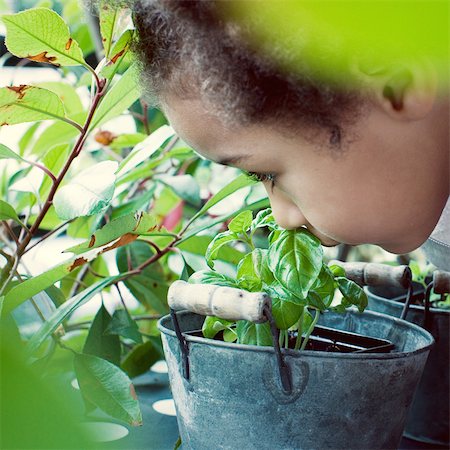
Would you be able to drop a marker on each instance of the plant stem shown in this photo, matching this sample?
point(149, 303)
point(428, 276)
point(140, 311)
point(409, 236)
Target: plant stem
point(43, 168)
point(46, 236)
point(299, 330)
point(10, 232)
point(145, 117)
point(75, 152)
point(310, 330)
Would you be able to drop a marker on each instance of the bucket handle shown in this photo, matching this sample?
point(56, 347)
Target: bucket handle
point(375, 274)
point(226, 303)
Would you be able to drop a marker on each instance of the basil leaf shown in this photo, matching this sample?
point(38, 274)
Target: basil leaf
point(296, 260)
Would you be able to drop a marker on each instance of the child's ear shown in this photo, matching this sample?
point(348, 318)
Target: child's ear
point(404, 93)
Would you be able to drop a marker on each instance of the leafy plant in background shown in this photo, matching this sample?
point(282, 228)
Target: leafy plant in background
point(422, 274)
point(135, 195)
point(289, 267)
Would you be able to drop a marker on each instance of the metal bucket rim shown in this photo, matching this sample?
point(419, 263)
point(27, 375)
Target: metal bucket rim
point(309, 353)
point(413, 307)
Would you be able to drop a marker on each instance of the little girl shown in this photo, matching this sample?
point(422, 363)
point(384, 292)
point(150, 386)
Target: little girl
point(361, 161)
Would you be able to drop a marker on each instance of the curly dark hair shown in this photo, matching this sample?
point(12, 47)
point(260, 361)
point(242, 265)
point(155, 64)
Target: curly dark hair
point(191, 49)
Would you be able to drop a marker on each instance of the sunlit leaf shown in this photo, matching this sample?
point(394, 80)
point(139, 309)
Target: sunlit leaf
point(41, 35)
point(88, 193)
point(120, 97)
point(67, 93)
point(26, 103)
point(219, 241)
point(185, 186)
point(8, 212)
point(31, 286)
point(241, 222)
point(125, 228)
point(145, 149)
point(238, 183)
point(7, 153)
point(119, 54)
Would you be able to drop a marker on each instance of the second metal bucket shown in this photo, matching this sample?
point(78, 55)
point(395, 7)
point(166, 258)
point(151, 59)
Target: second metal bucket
point(234, 398)
point(428, 419)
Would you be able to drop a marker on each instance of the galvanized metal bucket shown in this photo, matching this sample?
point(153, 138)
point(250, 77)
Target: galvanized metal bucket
point(234, 398)
point(429, 417)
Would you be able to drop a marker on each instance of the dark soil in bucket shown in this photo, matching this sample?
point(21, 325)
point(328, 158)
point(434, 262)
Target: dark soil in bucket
point(326, 339)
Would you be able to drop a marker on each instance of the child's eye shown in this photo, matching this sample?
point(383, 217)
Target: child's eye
point(263, 177)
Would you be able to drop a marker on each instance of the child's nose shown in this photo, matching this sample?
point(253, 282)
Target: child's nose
point(286, 213)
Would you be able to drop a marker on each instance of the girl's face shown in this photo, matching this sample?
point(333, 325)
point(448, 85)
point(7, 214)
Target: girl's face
point(387, 185)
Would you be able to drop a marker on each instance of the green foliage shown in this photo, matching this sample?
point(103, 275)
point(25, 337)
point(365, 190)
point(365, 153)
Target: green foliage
point(291, 271)
point(41, 35)
point(25, 103)
point(108, 387)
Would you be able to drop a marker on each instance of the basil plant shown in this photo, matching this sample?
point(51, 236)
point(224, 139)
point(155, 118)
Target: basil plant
point(289, 266)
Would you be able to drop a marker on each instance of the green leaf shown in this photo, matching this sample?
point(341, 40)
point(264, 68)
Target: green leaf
point(219, 241)
point(247, 275)
point(285, 311)
point(337, 271)
point(28, 136)
point(63, 312)
point(141, 358)
point(109, 16)
point(107, 387)
point(353, 294)
point(88, 193)
point(213, 325)
point(238, 183)
point(8, 212)
point(314, 300)
point(209, 223)
point(127, 140)
point(254, 333)
point(241, 223)
point(185, 186)
point(211, 277)
point(264, 218)
point(123, 325)
point(119, 98)
point(295, 258)
point(30, 287)
point(119, 54)
point(54, 160)
point(198, 245)
point(26, 103)
point(324, 285)
point(145, 149)
point(98, 342)
point(124, 229)
point(151, 285)
point(67, 93)
point(41, 35)
point(7, 153)
point(57, 133)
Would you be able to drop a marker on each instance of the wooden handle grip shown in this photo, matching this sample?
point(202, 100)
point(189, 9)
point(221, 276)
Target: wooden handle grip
point(220, 301)
point(374, 274)
point(441, 282)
